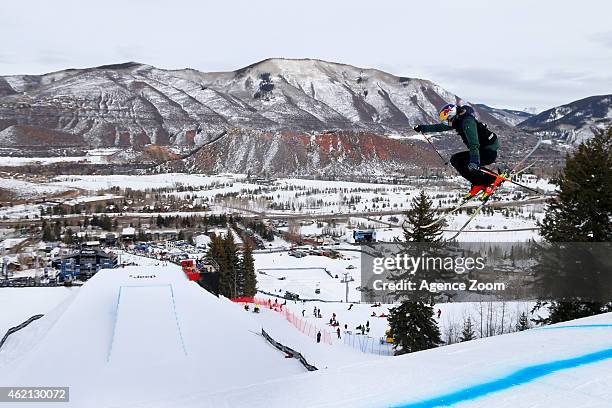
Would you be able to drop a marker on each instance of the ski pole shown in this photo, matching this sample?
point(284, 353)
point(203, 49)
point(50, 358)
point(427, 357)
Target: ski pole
point(434, 147)
point(489, 172)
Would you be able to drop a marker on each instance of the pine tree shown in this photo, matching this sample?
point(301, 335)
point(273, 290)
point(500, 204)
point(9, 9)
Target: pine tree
point(581, 213)
point(422, 213)
point(217, 253)
point(106, 223)
point(468, 331)
point(523, 322)
point(420, 241)
point(68, 238)
point(583, 209)
point(232, 265)
point(413, 327)
point(47, 235)
point(247, 269)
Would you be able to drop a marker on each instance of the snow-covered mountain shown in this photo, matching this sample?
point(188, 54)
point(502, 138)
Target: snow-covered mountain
point(509, 116)
point(574, 122)
point(135, 104)
point(271, 108)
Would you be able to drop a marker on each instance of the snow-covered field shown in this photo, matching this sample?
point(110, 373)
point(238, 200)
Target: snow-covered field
point(25, 189)
point(290, 197)
point(142, 182)
point(279, 272)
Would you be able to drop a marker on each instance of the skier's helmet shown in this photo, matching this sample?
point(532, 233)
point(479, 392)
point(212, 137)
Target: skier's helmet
point(448, 113)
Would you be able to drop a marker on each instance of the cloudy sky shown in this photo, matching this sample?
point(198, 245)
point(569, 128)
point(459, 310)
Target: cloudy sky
point(514, 54)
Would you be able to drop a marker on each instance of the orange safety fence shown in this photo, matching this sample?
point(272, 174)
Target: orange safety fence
point(299, 323)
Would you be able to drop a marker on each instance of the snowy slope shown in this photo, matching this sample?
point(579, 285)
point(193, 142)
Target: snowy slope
point(146, 337)
point(31, 301)
point(566, 366)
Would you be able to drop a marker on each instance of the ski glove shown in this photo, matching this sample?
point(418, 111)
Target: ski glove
point(417, 128)
point(473, 166)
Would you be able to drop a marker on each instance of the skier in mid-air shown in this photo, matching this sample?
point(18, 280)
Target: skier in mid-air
point(480, 140)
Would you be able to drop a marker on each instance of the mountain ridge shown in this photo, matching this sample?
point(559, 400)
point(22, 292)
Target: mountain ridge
point(572, 122)
point(132, 105)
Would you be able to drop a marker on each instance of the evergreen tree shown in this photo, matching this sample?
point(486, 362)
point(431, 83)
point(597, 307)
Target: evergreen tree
point(57, 230)
point(583, 209)
point(47, 235)
point(523, 322)
point(232, 265)
point(247, 269)
point(468, 331)
point(413, 327)
point(217, 253)
point(420, 242)
point(68, 238)
point(581, 213)
point(105, 223)
point(422, 213)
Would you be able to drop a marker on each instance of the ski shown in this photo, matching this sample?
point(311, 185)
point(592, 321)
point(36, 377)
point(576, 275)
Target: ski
point(472, 216)
point(524, 159)
point(508, 179)
point(513, 172)
point(466, 201)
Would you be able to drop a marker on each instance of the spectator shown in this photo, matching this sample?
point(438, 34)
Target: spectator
point(338, 332)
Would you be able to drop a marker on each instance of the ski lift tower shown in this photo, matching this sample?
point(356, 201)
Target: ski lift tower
point(5, 261)
point(346, 281)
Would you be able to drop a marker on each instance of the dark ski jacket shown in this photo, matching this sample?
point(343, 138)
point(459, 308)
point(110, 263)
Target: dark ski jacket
point(474, 134)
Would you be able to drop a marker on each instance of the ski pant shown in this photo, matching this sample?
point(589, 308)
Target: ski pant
point(461, 160)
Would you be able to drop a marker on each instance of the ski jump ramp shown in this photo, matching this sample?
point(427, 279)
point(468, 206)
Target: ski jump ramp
point(146, 325)
point(141, 334)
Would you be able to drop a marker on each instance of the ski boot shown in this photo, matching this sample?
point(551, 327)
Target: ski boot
point(490, 189)
point(474, 191)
